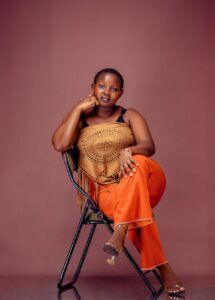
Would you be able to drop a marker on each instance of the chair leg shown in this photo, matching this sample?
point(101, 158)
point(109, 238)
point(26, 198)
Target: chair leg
point(139, 271)
point(75, 292)
point(77, 272)
point(73, 244)
point(80, 264)
point(143, 275)
point(71, 249)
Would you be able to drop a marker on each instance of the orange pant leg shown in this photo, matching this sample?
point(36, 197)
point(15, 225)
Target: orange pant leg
point(130, 202)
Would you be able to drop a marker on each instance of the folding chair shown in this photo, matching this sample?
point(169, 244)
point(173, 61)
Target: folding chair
point(91, 215)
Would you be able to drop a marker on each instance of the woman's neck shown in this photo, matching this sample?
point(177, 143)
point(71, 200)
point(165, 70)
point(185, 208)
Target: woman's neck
point(105, 112)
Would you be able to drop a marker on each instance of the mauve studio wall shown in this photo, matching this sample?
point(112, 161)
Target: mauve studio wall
point(50, 51)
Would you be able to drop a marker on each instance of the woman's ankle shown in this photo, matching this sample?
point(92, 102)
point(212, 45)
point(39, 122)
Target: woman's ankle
point(118, 236)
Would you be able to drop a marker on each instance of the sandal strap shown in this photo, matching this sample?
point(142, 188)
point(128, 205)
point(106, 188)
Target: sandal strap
point(112, 245)
point(171, 290)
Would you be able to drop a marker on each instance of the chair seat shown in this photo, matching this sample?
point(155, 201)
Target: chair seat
point(95, 218)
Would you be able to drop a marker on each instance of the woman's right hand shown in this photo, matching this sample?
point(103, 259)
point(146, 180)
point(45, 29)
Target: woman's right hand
point(87, 104)
point(127, 164)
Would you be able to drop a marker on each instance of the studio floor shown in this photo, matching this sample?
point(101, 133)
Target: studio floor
point(92, 288)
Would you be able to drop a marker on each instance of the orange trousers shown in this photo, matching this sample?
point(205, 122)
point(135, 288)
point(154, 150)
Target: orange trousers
point(131, 201)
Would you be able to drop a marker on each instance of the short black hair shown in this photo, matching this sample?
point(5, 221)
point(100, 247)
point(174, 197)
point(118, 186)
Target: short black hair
point(111, 71)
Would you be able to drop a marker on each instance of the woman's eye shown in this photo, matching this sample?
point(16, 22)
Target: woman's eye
point(101, 86)
point(114, 89)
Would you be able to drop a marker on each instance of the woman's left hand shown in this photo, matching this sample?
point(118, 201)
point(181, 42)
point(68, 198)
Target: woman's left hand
point(127, 165)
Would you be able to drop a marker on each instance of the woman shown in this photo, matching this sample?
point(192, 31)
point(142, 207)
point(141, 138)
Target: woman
point(114, 147)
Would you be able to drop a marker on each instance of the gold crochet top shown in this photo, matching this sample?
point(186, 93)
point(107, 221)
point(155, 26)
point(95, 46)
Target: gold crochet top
point(99, 149)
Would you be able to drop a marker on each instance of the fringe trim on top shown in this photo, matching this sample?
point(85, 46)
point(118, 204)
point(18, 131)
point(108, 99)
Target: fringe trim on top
point(89, 186)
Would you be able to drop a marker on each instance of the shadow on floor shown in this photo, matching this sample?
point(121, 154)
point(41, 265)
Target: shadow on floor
point(91, 288)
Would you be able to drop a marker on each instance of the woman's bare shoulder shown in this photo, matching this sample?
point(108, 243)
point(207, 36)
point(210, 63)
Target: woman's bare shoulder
point(131, 110)
point(133, 114)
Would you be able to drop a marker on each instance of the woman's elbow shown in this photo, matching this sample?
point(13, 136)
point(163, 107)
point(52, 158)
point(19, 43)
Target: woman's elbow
point(151, 149)
point(59, 147)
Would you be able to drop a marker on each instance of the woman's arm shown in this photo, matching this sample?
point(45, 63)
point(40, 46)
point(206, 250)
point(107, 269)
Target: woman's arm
point(144, 143)
point(67, 132)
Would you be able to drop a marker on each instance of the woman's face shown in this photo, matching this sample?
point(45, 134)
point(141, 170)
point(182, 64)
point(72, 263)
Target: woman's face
point(107, 89)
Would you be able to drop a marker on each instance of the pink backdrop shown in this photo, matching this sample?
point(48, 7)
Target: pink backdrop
point(50, 51)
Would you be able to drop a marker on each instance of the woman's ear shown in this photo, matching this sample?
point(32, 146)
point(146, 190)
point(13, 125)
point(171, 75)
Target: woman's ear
point(92, 86)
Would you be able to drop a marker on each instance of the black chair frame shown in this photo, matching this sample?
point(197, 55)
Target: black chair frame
point(88, 218)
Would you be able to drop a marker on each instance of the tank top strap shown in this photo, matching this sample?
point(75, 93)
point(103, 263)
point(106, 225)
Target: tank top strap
point(120, 118)
point(84, 122)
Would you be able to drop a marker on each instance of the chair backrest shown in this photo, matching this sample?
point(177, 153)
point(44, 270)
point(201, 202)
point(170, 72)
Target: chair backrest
point(70, 158)
point(92, 215)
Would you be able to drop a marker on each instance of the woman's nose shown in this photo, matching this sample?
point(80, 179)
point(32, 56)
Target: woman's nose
point(107, 91)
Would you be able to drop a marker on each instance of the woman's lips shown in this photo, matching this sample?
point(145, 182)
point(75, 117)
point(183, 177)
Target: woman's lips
point(105, 99)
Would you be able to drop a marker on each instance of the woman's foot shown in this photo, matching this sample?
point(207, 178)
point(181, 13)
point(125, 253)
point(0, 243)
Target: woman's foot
point(116, 243)
point(170, 280)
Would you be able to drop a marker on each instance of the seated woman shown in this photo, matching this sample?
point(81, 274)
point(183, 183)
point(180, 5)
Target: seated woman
point(114, 147)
